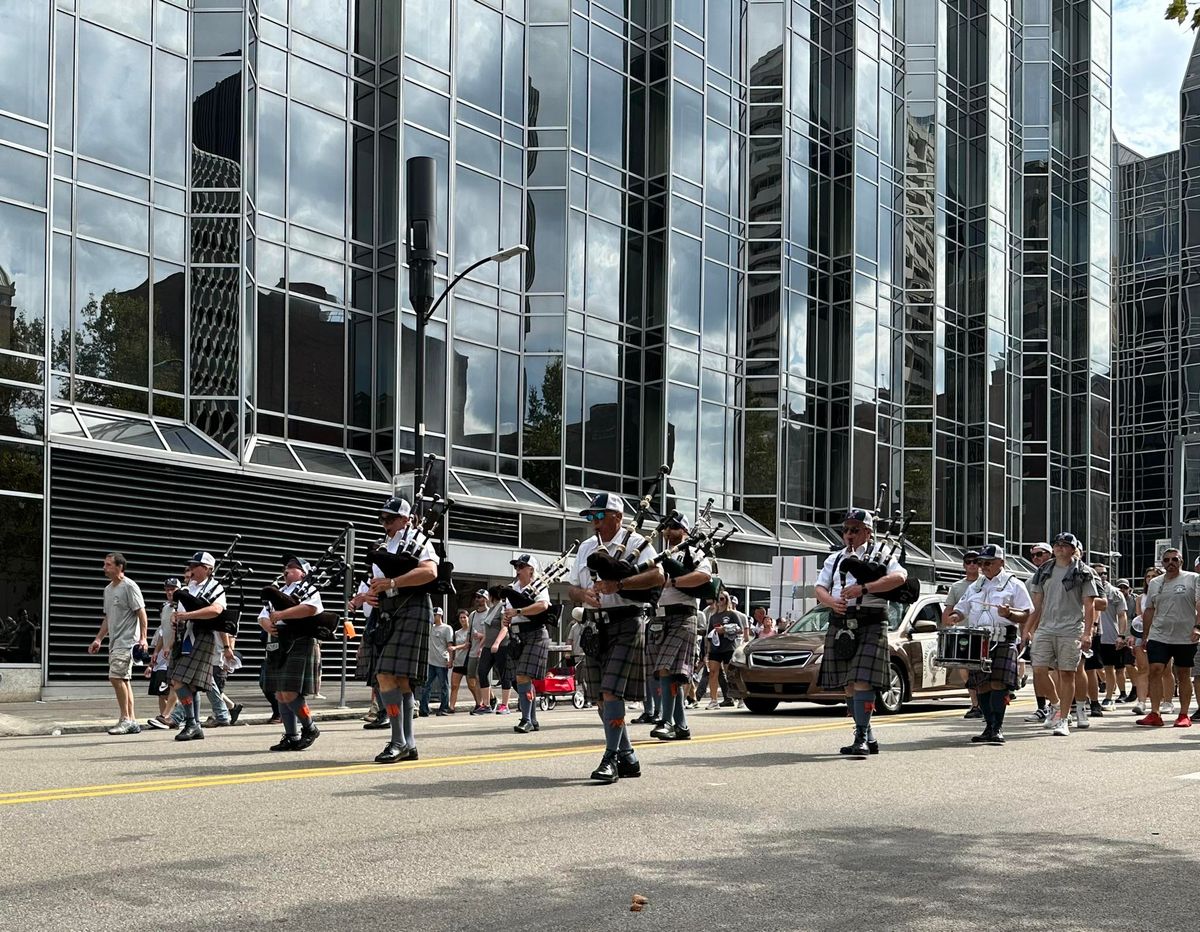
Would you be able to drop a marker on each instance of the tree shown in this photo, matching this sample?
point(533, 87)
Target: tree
point(1180, 10)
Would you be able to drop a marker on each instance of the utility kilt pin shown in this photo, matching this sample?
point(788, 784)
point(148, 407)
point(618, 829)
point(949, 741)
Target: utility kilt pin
point(856, 644)
point(532, 659)
point(195, 669)
point(978, 607)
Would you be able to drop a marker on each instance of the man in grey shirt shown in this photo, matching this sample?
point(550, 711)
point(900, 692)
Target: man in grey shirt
point(125, 624)
point(1171, 628)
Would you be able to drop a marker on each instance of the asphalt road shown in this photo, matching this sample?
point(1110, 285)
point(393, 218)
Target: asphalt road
point(757, 823)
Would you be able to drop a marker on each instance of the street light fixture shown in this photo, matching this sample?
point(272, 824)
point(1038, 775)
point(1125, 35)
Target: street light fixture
point(502, 256)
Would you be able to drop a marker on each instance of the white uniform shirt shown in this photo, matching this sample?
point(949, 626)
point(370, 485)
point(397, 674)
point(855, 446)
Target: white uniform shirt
point(671, 595)
point(832, 581)
point(313, 599)
point(213, 591)
point(581, 576)
point(393, 543)
point(367, 608)
point(984, 596)
point(538, 593)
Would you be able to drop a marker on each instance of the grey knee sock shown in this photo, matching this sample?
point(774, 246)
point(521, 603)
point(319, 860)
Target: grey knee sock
point(863, 705)
point(613, 715)
point(186, 701)
point(300, 707)
point(531, 698)
point(391, 700)
point(523, 700)
point(999, 707)
point(406, 719)
point(290, 727)
point(680, 703)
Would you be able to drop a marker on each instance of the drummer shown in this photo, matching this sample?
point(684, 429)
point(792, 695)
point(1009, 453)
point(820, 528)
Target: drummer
point(1000, 602)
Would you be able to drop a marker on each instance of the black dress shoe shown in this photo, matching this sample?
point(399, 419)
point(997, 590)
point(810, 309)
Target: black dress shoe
point(286, 743)
point(607, 771)
point(974, 712)
point(392, 753)
point(681, 734)
point(307, 737)
point(628, 765)
point(191, 732)
point(376, 724)
point(644, 719)
point(665, 731)
point(984, 738)
point(535, 726)
point(523, 727)
point(997, 738)
point(858, 748)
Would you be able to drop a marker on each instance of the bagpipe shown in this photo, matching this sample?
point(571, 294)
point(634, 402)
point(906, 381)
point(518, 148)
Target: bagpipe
point(226, 574)
point(329, 571)
point(885, 547)
point(704, 537)
point(625, 560)
point(429, 511)
point(541, 582)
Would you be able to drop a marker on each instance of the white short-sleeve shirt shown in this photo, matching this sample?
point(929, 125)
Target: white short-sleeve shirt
point(581, 576)
point(979, 604)
point(831, 581)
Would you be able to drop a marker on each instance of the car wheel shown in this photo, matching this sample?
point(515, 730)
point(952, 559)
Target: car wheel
point(891, 700)
point(762, 706)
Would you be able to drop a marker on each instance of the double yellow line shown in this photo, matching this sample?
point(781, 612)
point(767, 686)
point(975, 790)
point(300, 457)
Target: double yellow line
point(26, 797)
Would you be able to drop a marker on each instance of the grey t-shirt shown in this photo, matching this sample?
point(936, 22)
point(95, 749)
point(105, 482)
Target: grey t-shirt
point(1109, 622)
point(121, 605)
point(1062, 611)
point(479, 622)
point(495, 621)
point(954, 596)
point(440, 638)
point(1174, 602)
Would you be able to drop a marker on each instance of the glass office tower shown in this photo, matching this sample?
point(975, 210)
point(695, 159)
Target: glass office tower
point(792, 250)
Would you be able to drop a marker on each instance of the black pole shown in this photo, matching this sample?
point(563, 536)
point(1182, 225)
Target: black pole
point(421, 197)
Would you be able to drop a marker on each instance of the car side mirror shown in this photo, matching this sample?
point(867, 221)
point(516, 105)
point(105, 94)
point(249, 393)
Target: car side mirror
point(924, 626)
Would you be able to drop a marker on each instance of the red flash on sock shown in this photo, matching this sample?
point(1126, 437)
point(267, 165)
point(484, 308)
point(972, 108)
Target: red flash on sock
point(186, 700)
point(617, 722)
point(869, 706)
point(674, 689)
point(393, 710)
point(304, 712)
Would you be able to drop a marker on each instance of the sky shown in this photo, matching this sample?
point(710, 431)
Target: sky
point(1149, 55)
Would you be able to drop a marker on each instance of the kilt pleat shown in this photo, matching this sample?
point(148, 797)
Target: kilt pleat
point(1004, 668)
point(870, 663)
point(292, 668)
point(196, 669)
point(621, 668)
point(406, 650)
point(534, 657)
point(674, 649)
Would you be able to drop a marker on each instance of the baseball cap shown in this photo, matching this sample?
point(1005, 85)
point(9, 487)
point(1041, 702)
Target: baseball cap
point(605, 501)
point(860, 515)
point(1066, 537)
point(525, 559)
point(1123, 583)
point(970, 555)
point(678, 520)
point(991, 552)
point(1042, 546)
point(171, 582)
point(202, 558)
point(481, 592)
point(437, 611)
point(290, 559)
point(396, 506)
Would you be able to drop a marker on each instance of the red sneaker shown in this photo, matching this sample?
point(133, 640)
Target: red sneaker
point(1183, 722)
point(1152, 719)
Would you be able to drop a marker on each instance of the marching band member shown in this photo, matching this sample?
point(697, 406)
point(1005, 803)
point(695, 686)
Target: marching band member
point(1001, 602)
point(856, 657)
point(531, 659)
point(192, 671)
point(290, 663)
point(671, 641)
point(400, 652)
point(613, 667)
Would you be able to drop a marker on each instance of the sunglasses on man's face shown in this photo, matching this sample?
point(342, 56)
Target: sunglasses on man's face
point(598, 515)
point(972, 562)
point(1171, 560)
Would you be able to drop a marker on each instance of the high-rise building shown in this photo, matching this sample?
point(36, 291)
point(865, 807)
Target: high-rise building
point(793, 250)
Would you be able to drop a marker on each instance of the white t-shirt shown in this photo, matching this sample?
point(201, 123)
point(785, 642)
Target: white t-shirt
point(983, 597)
point(832, 581)
point(392, 544)
point(671, 595)
point(581, 576)
point(538, 594)
point(313, 599)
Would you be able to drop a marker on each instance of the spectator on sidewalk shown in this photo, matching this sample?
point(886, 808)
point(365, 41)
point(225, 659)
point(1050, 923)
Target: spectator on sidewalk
point(460, 652)
point(441, 635)
point(479, 622)
point(160, 660)
point(125, 625)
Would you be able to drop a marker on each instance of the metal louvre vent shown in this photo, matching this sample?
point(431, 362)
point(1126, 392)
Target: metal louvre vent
point(158, 514)
point(482, 525)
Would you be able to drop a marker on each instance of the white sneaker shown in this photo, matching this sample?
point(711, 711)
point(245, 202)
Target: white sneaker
point(1139, 709)
point(1081, 715)
point(1052, 717)
point(1061, 728)
point(1167, 708)
point(1037, 716)
point(737, 703)
point(713, 705)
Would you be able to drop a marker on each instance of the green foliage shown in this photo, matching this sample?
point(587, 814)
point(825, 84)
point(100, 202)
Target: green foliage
point(1179, 10)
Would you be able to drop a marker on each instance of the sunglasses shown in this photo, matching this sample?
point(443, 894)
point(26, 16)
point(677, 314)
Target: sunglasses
point(597, 515)
point(1172, 560)
point(985, 562)
point(972, 562)
point(853, 530)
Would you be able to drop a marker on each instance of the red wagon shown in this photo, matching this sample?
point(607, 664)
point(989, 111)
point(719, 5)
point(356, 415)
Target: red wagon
point(558, 683)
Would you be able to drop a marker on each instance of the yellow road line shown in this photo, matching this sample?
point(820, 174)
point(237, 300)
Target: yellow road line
point(269, 776)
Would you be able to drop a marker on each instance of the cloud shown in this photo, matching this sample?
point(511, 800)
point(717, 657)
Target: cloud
point(1149, 55)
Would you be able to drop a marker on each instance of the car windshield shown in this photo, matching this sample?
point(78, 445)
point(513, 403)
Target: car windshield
point(816, 620)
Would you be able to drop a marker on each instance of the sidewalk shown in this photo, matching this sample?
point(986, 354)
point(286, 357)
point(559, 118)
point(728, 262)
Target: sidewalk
point(80, 716)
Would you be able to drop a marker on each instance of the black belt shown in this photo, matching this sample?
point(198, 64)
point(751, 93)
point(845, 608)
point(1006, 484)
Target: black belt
point(620, 613)
point(864, 616)
point(682, 611)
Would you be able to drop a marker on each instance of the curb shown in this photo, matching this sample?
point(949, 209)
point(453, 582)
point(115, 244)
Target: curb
point(11, 727)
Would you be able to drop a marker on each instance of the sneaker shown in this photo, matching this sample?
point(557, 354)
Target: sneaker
point(1052, 717)
point(274, 720)
point(158, 722)
point(126, 727)
point(1095, 708)
point(1167, 708)
point(713, 705)
point(974, 712)
point(1109, 704)
point(726, 703)
point(234, 713)
point(1121, 697)
point(503, 710)
point(1183, 722)
point(211, 722)
point(286, 743)
point(1138, 709)
point(1036, 717)
point(1153, 720)
point(737, 704)
point(1061, 729)
point(1081, 716)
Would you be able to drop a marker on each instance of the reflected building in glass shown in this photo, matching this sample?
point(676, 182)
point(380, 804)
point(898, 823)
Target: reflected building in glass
point(792, 250)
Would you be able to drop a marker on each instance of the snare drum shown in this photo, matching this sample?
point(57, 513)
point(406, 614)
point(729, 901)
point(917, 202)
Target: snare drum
point(964, 648)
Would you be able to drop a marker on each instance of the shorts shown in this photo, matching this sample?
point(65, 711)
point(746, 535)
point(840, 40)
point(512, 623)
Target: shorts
point(1057, 651)
point(1112, 656)
point(120, 664)
point(1184, 655)
point(720, 656)
point(160, 683)
point(473, 667)
point(461, 670)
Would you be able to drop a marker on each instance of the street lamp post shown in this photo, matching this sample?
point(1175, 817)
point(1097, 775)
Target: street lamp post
point(421, 187)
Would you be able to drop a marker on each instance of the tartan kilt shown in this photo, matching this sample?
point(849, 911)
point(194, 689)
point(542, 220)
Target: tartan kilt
point(674, 649)
point(406, 650)
point(364, 661)
point(870, 663)
point(195, 669)
point(534, 658)
point(292, 668)
point(1004, 668)
point(621, 669)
